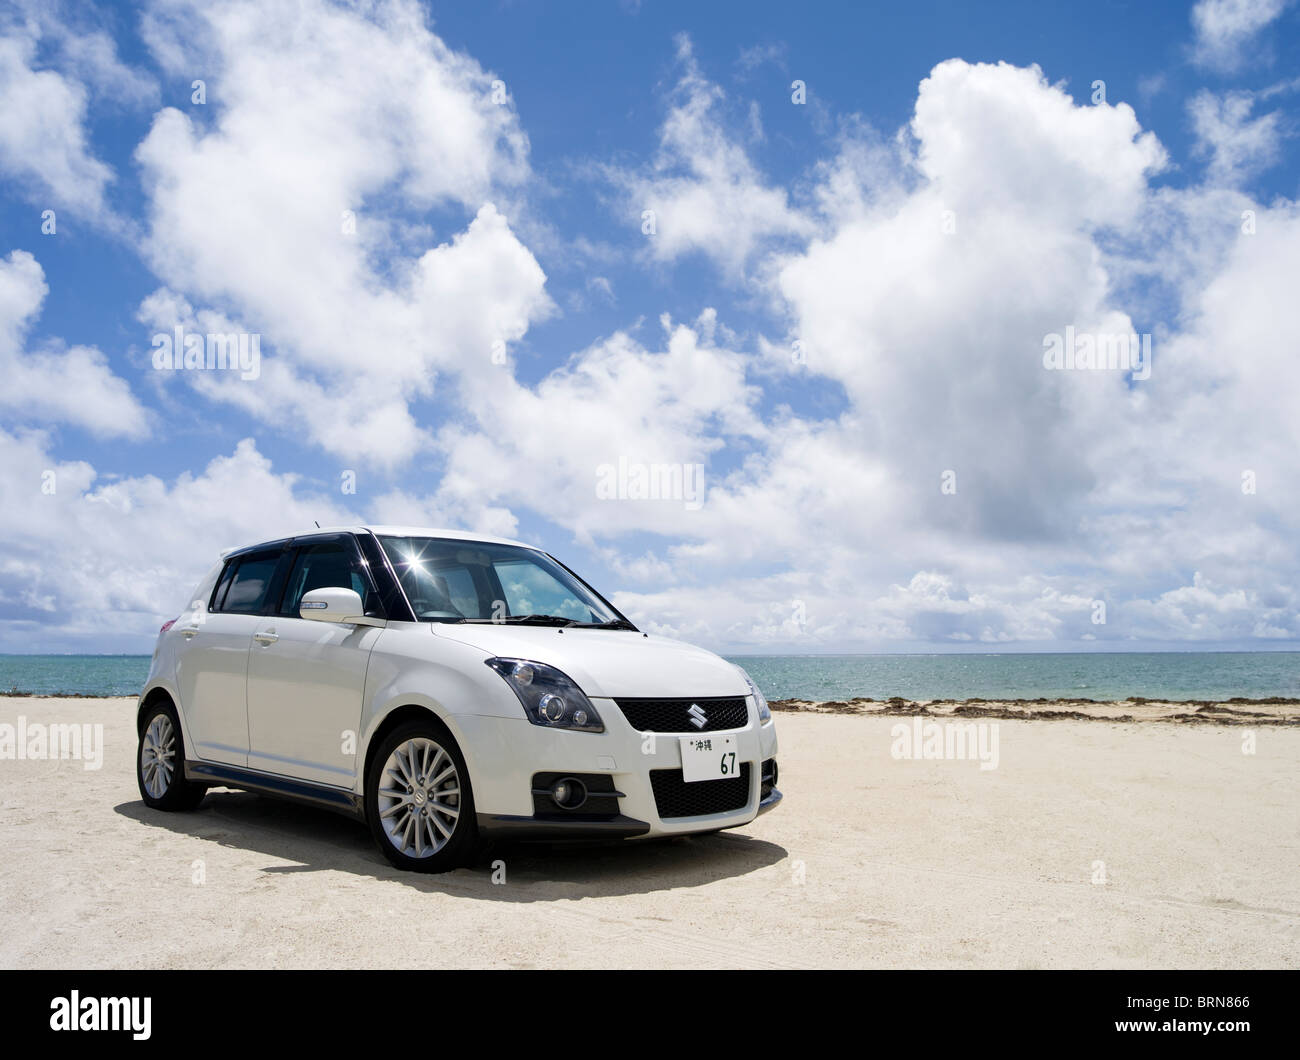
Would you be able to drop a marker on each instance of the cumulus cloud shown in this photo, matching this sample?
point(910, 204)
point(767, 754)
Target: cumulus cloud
point(1235, 144)
point(43, 143)
point(928, 300)
point(99, 560)
point(934, 309)
point(51, 384)
point(79, 46)
point(284, 209)
point(55, 61)
point(705, 194)
point(999, 137)
point(549, 447)
point(1226, 31)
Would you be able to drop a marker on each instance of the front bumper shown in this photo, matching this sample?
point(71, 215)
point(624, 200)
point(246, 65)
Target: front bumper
point(504, 755)
point(500, 826)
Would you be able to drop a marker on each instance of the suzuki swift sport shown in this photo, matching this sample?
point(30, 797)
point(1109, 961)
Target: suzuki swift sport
point(446, 688)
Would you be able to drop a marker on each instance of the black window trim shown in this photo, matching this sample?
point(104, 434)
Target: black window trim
point(391, 594)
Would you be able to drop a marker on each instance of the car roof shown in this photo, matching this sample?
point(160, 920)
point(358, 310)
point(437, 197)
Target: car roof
point(383, 531)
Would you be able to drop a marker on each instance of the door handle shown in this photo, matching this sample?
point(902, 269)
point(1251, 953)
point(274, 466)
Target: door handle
point(267, 637)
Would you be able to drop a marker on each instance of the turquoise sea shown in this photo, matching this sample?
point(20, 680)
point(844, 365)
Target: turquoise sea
point(1073, 675)
point(69, 675)
point(1156, 675)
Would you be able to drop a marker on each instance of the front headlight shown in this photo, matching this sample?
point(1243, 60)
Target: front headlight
point(549, 697)
point(764, 711)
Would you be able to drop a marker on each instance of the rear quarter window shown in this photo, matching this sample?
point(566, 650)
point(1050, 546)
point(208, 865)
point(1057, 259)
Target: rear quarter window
point(246, 593)
point(223, 583)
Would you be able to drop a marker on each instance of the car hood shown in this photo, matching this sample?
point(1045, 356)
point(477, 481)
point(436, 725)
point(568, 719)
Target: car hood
point(609, 663)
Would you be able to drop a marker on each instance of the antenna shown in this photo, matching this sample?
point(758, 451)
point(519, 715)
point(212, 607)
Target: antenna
point(317, 522)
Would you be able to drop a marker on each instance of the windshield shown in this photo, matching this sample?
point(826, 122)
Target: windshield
point(468, 581)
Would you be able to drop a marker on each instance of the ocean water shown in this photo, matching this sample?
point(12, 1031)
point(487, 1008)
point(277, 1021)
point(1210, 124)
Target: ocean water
point(69, 675)
point(1075, 675)
point(1156, 675)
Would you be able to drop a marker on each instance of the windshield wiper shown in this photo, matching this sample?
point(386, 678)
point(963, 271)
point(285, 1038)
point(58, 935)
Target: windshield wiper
point(613, 623)
point(525, 620)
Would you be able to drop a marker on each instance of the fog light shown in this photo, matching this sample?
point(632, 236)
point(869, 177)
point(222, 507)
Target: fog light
point(569, 793)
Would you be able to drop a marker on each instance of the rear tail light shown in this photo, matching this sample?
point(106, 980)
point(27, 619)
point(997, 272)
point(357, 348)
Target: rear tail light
point(166, 626)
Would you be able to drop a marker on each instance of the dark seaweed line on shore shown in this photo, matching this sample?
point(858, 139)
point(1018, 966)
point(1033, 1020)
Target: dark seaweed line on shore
point(13, 693)
point(1208, 712)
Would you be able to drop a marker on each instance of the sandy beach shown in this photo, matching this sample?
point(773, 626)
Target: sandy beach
point(1120, 835)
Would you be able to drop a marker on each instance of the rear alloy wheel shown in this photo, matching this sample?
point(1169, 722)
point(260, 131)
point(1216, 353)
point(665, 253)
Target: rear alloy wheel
point(160, 763)
point(418, 802)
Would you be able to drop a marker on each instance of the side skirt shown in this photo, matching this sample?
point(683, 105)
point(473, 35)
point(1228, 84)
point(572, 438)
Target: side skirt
point(347, 803)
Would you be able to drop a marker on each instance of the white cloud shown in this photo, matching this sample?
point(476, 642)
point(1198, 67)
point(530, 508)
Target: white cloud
point(930, 317)
point(999, 137)
point(103, 560)
point(705, 194)
point(43, 143)
point(1236, 144)
point(54, 62)
point(1203, 611)
point(74, 386)
point(1071, 487)
point(312, 115)
point(543, 447)
point(1226, 30)
point(82, 49)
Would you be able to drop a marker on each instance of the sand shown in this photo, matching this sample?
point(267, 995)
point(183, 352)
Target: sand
point(1094, 843)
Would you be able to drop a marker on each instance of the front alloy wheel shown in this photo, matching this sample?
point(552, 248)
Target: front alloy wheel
point(419, 803)
point(419, 797)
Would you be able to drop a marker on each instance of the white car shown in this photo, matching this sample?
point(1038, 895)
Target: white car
point(446, 688)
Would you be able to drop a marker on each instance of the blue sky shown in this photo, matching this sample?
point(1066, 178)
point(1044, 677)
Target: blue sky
point(839, 317)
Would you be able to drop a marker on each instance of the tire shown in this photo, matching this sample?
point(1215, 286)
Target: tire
point(160, 762)
point(419, 803)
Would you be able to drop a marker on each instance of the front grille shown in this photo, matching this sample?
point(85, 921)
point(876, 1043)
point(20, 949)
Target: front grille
point(675, 798)
point(673, 715)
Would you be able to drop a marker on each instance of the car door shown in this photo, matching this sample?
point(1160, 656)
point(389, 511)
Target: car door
point(212, 660)
point(306, 679)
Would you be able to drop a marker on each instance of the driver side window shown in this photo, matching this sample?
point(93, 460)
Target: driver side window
point(330, 564)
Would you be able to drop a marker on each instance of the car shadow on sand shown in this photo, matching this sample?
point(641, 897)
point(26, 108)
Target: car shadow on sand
point(318, 840)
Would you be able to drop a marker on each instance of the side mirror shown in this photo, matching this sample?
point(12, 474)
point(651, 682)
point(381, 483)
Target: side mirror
point(332, 604)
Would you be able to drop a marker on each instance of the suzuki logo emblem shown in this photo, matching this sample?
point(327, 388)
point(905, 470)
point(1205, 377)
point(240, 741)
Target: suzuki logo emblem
point(698, 717)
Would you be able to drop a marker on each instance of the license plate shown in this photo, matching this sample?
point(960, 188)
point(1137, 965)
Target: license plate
point(709, 758)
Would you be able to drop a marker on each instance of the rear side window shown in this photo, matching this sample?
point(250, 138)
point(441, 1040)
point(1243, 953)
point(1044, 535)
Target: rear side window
point(223, 584)
point(252, 580)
